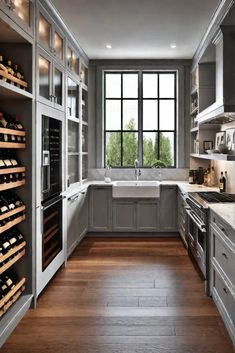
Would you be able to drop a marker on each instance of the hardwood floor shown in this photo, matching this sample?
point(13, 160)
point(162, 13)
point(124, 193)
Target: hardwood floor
point(124, 296)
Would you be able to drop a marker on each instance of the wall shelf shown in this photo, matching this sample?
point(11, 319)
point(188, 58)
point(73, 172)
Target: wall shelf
point(11, 224)
point(7, 186)
point(12, 132)
point(12, 170)
point(215, 156)
point(9, 299)
point(12, 145)
point(14, 80)
point(8, 91)
point(12, 261)
point(11, 213)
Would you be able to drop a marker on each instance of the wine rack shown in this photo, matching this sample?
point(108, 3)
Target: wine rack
point(11, 224)
point(15, 258)
point(8, 300)
point(12, 132)
point(11, 185)
point(5, 76)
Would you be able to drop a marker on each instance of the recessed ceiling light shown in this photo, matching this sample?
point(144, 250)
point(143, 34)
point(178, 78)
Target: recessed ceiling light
point(173, 46)
point(108, 46)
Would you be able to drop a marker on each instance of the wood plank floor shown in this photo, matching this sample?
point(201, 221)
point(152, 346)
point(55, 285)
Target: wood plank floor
point(124, 296)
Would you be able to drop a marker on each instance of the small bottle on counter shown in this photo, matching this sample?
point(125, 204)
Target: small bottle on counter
point(222, 183)
point(226, 181)
point(190, 177)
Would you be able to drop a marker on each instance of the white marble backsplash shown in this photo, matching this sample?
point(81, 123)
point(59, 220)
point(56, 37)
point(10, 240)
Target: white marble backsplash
point(146, 174)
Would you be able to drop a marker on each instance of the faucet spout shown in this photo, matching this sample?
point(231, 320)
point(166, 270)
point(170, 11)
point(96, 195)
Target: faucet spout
point(137, 169)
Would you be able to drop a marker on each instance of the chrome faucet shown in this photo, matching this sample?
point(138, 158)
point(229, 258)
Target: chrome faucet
point(137, 169)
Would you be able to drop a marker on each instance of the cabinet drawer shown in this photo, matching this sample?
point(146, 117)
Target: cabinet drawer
point(224, 256)
point(225, 229)
point(224, 294)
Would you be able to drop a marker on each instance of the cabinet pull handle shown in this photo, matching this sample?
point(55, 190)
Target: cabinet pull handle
point(225, 290)
point(224, 255)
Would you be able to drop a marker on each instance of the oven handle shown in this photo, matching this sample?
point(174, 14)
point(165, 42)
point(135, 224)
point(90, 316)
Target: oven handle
point(201, 226)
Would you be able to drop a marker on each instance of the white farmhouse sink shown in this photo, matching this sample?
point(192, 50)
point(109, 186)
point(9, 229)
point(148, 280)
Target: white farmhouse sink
point(136, 189)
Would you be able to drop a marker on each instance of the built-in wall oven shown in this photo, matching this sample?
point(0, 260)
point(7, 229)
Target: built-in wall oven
point(197, 208)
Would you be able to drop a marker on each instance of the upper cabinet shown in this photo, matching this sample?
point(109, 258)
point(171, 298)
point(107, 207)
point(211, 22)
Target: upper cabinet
point(21, 12)
point(222, 107)
point(50, 37)
point(84, 74)
point(73, 61)
point(50, 80)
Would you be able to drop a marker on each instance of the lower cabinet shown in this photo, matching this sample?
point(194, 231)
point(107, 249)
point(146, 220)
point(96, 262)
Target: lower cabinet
point(135, 216)
point(100, 209)
point(77, 219)
point(222, 272)
point(168, 208)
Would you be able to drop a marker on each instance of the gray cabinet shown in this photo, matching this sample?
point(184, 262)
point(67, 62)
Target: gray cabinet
point(135, 215)
point(77, 219)
point(147, 216)
point(124, 215)
point(168, 208)
point(182, 217)
point(100, 209)
point(222, 273)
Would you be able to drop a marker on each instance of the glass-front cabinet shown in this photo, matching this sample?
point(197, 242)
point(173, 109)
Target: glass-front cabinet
point(21, 12)
point(84, 105)
point(73, 152)
point(72, 98)
point(72, 61)
point(50, 81)
point(84, 74)
point(50, 37)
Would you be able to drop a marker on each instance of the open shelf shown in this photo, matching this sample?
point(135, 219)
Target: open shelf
point(215, 156)
point(8, 91)
point(11, 224)
point(16, 184)
point(9, 299)
point(12, 170)
point(12, 145)
point(14, 80)
point(11, 213)
point(12, 261)
point(12, 132)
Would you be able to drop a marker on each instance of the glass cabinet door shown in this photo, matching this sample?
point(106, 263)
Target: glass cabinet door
point(72, 98)
point(44, 31)
point(84, 106)
point(84, 74)
point(44, 77)
point(73, 152)
point(73, 137)
point(21, 11)
point(84, 166)
point(72, 61)
point(58, 46)
point(84, 138)
point(58, 86)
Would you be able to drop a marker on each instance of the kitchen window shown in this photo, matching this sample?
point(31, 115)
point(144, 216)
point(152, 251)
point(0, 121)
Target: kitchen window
point(140, 118)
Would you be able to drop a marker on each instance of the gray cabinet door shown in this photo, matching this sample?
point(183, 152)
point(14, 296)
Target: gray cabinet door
point(168, 208)
point(100, 209)
point(147, 216)
point(124, 216)
point(77, 219)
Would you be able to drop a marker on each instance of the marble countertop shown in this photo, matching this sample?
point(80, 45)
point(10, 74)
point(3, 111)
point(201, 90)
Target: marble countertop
point(226, 211)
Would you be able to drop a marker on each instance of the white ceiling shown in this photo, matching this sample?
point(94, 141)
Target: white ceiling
point(137, 29)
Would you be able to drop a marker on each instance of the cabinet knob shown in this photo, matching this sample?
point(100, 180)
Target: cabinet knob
point(224, 255)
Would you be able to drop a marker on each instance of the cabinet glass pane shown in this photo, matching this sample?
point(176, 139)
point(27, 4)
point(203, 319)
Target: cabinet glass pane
point(72, 99)
point(44, 31)
point(84, 166)
point(84, 74)
point(84, 106)
point(73, 169)
point(22, 10)
point(44, 77)
point(84, 138)
point(58, 77)
point(73, 137)
point(72, 61)
point(58, 44)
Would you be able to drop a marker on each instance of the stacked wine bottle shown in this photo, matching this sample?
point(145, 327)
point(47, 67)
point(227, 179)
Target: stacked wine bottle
point(11, 73)
point(12, 209)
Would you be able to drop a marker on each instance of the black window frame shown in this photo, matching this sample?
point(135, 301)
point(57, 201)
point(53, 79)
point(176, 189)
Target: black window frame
point(140, 100)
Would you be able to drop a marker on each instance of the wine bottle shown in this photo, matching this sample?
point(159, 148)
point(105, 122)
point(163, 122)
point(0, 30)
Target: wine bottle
point(222, 183)
point(3, 286)
point(3, 206)
point(9, 68)
point(2, 66)
point(17, 73)
point(3, 121)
